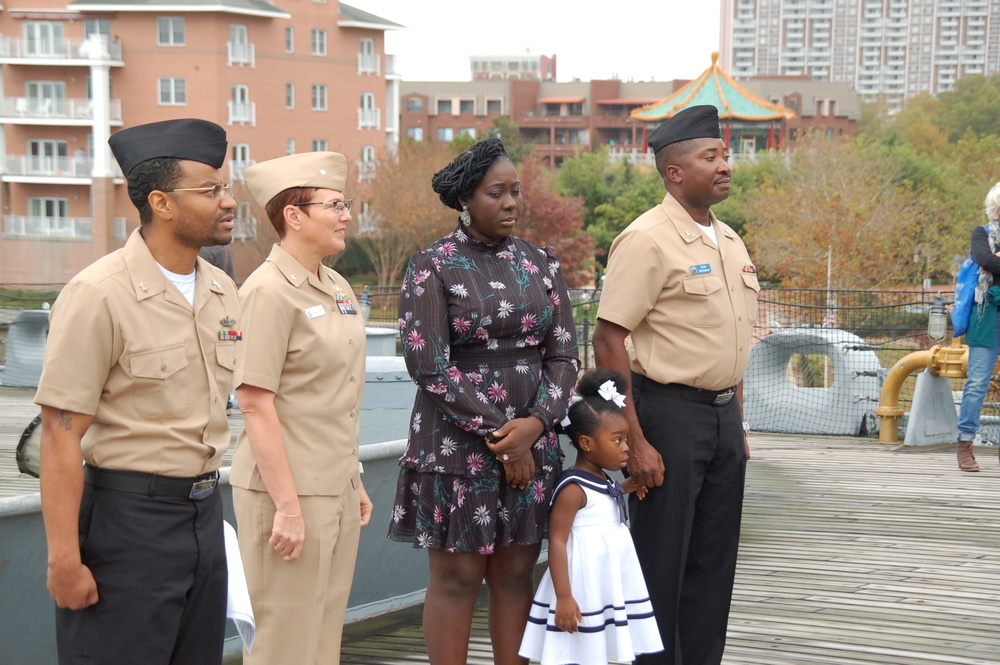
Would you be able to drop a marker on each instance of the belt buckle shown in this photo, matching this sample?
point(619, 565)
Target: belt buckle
point(203, 489)
point(724, 397)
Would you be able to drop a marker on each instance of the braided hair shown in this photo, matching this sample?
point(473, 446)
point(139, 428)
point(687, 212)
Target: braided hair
point(586, 413)
point(466, 171)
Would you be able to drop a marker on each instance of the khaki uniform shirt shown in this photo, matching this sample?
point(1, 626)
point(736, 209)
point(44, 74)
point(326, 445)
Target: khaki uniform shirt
point(125, 347)
point(690, 306)
point(300, 346)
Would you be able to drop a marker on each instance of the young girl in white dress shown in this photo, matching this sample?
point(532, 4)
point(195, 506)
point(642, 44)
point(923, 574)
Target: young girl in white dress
point(592, 606)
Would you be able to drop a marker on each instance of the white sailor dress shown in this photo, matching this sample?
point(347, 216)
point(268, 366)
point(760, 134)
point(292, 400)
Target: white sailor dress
point(606, 582)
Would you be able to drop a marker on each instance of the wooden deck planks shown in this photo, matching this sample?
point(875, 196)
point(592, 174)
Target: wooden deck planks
point(852, 553)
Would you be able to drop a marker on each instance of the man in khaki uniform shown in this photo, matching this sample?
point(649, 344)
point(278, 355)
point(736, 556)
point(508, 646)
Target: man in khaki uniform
point(680, 285)
point(297, 490)
point(138, 367)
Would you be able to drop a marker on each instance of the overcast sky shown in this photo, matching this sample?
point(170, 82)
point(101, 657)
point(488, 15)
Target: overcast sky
point(638, 40)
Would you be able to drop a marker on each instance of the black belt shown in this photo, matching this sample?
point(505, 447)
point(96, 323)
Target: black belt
point(713, 397)
point(152, 485)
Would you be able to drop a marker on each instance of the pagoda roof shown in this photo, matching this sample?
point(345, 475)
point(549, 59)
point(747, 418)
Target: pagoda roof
point(717, 88)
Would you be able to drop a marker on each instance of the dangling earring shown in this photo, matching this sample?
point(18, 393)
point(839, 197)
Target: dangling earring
point(465, 216)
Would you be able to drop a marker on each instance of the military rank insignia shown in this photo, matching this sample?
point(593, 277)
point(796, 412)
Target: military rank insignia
point(230, 335)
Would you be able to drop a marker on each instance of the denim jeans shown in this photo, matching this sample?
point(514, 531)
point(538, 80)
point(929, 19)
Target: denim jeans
point(981, 363)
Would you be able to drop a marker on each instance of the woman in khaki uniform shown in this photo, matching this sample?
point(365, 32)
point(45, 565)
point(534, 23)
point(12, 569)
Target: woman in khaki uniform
point(297, 491)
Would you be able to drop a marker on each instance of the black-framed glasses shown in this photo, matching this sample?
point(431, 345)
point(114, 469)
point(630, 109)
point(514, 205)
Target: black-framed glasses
point(216, 190)
point(339, 207)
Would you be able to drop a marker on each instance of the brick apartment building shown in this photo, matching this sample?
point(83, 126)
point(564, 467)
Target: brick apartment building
point(295, 76)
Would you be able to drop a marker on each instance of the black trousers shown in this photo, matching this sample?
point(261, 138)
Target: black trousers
point(160, 568)
point(687, 531)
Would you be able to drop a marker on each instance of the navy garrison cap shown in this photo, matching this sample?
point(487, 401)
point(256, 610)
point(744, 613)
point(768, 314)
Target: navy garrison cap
point(190, 138)
point(694, 122)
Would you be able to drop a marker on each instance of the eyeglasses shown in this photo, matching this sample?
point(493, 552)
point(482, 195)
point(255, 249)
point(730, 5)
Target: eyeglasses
point(339, 207)
point(216, 190)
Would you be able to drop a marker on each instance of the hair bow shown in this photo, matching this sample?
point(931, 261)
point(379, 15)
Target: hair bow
point(609, 392)
point(572, 400)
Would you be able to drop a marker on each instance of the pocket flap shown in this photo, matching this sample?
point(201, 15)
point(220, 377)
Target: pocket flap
point(158, 363)
point(702, 285)
point(750, 279)
point(225, 355)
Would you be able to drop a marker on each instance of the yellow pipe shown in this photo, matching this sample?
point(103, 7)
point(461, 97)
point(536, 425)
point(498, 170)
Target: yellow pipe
point(888, 410)
point(951, 362)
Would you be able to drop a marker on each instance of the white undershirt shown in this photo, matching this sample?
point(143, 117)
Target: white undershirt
point(184, 283)
point(710, 232)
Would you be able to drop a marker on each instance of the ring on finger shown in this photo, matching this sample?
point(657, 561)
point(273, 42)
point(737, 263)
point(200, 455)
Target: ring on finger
point(505, 457)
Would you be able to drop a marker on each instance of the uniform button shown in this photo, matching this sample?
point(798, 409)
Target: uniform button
point(350, 341)
point(163, 368)
point(352, 414)
point(352, 379)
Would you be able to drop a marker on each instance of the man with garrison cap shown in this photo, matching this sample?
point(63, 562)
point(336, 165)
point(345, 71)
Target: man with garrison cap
point(138, 366)
point(678, 305)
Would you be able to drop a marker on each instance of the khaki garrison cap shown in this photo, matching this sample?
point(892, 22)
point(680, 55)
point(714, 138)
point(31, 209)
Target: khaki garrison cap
point(322, 170)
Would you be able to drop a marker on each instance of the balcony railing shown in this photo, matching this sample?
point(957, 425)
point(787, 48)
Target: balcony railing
point(241, 113)
point(369, 63)
point(369, 118)
point(56, 50)
point(366, 170)
point(23, 226)
point(240, 54)
point(245, 229)
point(64, 108)
point(50, 167)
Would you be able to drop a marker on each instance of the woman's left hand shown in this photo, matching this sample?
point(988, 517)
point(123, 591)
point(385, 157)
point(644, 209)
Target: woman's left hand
point(514, 440)
point(366, 506)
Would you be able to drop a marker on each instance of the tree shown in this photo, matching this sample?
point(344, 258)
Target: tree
point(407, 215)
point(550, 219)
point(866, 202)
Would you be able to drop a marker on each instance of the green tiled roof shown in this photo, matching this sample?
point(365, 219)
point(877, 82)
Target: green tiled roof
point(717, 88)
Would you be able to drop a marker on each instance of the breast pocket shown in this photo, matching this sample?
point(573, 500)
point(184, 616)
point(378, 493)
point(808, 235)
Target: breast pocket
point(753, 287)
point(225, 365)
point(703, 301)
point(160, 382)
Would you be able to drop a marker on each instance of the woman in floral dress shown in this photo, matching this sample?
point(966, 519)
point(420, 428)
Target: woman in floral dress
point(488, 338)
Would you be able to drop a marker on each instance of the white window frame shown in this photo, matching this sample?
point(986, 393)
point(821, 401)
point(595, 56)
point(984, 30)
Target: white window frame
point(320, 145)
point(369, 116)
point(366, 165)
point(241, 109)
point(368, 61)
point(171, 97)
point(317, 42)
point(47, 157)
point(43, 37)
point(415, 133)
point(319, 97)
point(289, 39)
point(289, 146)
point(240, 160)
point(289, 95)
point(449, 134)
point(96, 26)
point(175, 30)
point(239, 49)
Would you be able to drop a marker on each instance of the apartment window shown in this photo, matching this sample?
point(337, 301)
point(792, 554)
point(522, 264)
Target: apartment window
point(446, 133)
point(89, 87)
point(289, 95)
point(368, 115)
point(241, 51)
point(318, 42)
point(444, 107)
point(414, 105)
point(467, 131)
point(43, 98)
point(47, 157)
point(320, 145)
point(173, 91)
point(241, 160)
point(50, 217)
point(318, 97)
point(241, 109)
point(494, 107)
point(366, 167)
point(170, 31)
point(96, 26)
point(415, 133)
point(43, 37)
point(289, 146)
point(467, 106)
point(289, 39)
point(367, 59)
point(245, 223)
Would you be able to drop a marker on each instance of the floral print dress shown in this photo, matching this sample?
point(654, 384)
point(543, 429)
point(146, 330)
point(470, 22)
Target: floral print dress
point(488, 336)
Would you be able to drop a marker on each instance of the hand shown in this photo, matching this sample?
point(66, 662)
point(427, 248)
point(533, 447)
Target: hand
point(288, 532)
point(366, 506)
point(72, 587)
point(644, 462)
point(632, 485)
point(568, 615)
point(746, 445)
point(514, 439)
